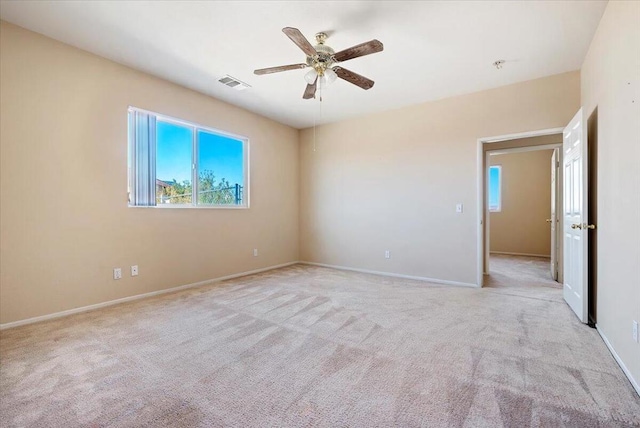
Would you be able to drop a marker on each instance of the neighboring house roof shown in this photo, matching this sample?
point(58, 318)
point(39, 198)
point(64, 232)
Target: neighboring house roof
point(164, 183)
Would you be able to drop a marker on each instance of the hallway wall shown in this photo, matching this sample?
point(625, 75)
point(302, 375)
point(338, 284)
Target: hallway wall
point(520, 226)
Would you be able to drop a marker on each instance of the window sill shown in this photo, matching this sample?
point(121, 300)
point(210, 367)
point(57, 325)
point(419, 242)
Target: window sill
point(192, 207)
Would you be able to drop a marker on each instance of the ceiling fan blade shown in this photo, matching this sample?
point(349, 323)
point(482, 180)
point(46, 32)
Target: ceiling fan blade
point(354, 78)
point(279, 69)
point(362, 49)
point(296, 37)
point(310, 92)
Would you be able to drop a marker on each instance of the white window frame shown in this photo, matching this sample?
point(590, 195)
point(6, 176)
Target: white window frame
point(499, 208)
point(194, 166)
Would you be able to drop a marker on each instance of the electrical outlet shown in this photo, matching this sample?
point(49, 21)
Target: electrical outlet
point(255, 252)
point(134, 270)
point(635, 330)
point(117, 273)
point(387, 254)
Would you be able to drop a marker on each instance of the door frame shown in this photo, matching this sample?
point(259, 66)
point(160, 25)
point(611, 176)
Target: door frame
point(482, 256)
point(557, 199)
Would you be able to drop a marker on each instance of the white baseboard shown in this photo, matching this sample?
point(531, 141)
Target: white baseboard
point(626, 371)
point(506, 253)
point(394, 275)
point(136, 297)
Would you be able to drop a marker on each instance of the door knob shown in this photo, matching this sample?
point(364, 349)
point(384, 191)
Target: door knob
point(588, 226)
point(549, 220)
point(576, 226)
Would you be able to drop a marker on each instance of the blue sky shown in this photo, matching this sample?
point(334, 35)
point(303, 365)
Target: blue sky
point(494, 187)
point(220, 154)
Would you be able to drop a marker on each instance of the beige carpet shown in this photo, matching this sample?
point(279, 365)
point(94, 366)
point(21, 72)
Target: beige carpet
point(308, 346)
point(523, 276)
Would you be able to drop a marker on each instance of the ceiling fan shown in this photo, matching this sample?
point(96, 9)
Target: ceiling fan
point(322, 59)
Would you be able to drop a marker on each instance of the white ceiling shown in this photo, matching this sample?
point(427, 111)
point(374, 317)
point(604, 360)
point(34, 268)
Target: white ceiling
point(432, 50)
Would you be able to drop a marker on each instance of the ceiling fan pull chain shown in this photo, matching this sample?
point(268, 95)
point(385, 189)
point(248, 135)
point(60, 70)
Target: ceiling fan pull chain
point(318, 120)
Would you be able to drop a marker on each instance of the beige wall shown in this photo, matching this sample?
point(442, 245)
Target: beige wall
point(520, 226)
point(65, 223)
point(611, 82)
point(391, 181)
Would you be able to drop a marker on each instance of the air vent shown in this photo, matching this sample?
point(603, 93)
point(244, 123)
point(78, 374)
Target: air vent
point(234, 83)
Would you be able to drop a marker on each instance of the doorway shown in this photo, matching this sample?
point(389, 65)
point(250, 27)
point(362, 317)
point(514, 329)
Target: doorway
point(521, 224)
point(522, 193)
point(535, 141)
point(578, 202)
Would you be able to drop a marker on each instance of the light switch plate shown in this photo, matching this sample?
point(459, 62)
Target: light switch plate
point(458, 208)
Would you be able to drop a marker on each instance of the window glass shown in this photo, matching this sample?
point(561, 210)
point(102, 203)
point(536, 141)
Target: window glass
point(495, 188)
point(173, 163)
point(220, 169)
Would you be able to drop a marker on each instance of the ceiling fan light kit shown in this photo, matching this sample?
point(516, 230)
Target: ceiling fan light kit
point(322, 59)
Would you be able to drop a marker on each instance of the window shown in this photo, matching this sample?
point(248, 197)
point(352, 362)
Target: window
point(174, 163)
point(495, 188)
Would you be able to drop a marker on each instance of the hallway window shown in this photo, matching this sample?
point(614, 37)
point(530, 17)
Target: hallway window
point(495, 188)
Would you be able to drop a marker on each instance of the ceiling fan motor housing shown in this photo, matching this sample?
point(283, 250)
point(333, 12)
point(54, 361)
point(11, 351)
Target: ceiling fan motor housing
point(324, 57)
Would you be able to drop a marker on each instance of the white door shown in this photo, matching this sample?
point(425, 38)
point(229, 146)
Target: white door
point(552, 220)
point(575, 250)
